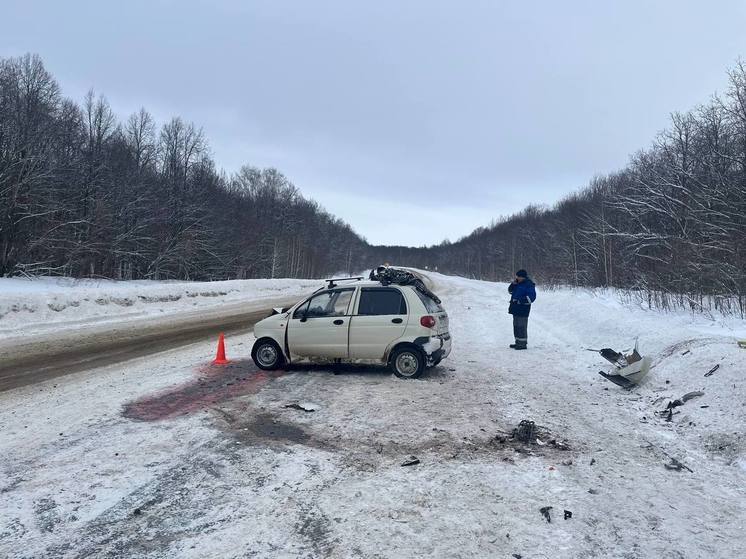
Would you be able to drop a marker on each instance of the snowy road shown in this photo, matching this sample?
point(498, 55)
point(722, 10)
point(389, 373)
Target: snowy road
point(28, 360)
point(166, 456)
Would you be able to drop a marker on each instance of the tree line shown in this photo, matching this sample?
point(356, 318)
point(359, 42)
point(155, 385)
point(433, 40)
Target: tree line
point(670, 228)
point(82, 194)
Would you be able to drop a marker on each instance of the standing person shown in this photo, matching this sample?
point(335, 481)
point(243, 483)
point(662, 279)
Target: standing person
point(522, 293)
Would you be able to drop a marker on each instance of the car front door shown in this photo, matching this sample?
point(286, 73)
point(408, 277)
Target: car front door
point(320, 326)
point(380, 318)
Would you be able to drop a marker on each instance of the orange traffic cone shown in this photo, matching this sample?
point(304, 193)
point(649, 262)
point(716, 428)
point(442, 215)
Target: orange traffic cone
point(220, 357)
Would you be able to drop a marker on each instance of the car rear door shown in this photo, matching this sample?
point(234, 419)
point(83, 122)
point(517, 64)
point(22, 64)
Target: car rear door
point(320, 326)
point(380, 318)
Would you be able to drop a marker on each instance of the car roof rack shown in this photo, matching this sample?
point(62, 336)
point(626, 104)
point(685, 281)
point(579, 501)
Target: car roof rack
point(331, 283)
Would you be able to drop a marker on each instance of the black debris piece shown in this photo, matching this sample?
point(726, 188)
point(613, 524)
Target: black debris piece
point(593, 491)
point(674, 404)
point(300, 407)
point(687, 351)
point(593, 461)
point(517, 555)
point(560, 445)
point(568, 514)
point(412, 461)
point(689, 395)
point(619, 380)
point(677, 466)
point(545, 513)
point(715, 368)
point(137, 512)
point(525, 432)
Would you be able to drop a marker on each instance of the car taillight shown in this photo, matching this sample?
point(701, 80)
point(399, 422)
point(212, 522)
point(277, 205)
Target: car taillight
point(427, 321)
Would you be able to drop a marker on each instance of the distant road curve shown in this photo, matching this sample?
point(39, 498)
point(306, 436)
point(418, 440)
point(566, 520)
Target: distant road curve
point(25, 361)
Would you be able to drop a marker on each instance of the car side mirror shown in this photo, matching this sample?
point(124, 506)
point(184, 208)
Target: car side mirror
point(304, 316)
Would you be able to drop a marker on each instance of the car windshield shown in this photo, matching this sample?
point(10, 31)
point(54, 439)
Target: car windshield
point(430, 305)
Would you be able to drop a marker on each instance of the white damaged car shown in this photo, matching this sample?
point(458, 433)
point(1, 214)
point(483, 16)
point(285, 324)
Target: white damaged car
point(351, 320)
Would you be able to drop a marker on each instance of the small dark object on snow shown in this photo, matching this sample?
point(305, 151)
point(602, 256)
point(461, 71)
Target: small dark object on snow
point(593, 491)
point(545, 513)
point(137, 512)
point(526, 431)
point(619, 380)
point(300, 407)
point(715, 368)
point(676, 465)
point(687, 351)
point(559, 445)
point(568, 514)
point(517, 555)
point(413, 461)
point(593, 461)
point(704, 406)
point(680, 402)
point(674, 404)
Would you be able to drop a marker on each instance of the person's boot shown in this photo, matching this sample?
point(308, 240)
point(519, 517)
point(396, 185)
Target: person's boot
point(513, 346)
point(519, 346)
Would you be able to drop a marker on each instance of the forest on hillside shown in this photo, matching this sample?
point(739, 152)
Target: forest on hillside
point(84, 195)
point(670, 228)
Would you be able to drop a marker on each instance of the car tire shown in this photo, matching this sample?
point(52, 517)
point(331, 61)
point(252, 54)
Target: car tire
point(267, 355)
point(407, 362)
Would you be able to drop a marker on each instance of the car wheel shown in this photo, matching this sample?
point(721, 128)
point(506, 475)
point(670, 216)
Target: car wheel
point(267, 355)
point(407, 362)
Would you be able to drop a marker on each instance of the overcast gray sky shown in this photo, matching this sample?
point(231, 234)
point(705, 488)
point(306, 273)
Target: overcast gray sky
point(414, 121)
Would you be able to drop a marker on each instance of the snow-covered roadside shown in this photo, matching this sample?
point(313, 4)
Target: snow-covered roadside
point(165, 457)
point(30, 306)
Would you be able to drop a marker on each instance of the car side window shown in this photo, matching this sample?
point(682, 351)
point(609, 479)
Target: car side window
point(381, 301)
point(328, 303)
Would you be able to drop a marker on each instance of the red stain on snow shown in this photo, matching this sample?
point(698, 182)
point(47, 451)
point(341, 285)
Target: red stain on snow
point(214, 384)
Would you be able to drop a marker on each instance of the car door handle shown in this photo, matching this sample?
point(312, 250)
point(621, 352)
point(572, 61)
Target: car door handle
point(339, 322)
point(397, 320)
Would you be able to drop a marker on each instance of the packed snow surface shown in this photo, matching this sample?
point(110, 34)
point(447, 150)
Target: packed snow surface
point(167, 456)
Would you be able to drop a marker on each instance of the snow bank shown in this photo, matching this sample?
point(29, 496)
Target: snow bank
point(40, 304)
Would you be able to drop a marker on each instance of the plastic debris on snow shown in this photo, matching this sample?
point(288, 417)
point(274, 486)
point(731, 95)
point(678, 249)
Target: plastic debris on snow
point(629, 369)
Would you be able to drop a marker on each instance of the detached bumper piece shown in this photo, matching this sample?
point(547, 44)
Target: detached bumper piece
point(629, 370)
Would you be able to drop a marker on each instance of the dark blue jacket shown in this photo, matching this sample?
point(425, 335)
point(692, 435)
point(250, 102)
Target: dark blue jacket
point(521, 296)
